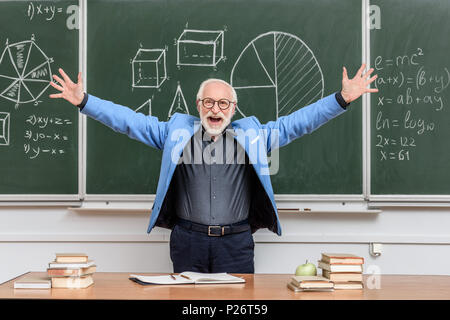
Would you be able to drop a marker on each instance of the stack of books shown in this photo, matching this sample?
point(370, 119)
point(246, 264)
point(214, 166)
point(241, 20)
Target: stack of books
point(345, 270)
point(310, 283)
point(71, 270)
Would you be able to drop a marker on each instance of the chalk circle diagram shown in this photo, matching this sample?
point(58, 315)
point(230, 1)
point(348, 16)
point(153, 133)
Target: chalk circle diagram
point(25, 72)
point(283, 62)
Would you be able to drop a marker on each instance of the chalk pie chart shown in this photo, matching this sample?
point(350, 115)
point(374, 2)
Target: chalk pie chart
point(25, 72)
point(280, 67)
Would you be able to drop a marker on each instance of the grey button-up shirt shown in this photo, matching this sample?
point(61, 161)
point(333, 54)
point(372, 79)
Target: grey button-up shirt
point(213, 181)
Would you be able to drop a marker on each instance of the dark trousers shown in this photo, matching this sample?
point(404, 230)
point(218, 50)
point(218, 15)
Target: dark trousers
point(198, 252)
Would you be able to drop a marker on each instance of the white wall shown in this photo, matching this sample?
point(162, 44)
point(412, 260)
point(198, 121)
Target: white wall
point(415, 241)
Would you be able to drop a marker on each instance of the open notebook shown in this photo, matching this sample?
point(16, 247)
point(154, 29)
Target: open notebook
point(189, 278)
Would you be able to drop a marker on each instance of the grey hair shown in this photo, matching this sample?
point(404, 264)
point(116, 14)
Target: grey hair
point(211, 80)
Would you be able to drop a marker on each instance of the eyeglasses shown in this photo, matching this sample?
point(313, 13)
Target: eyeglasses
point(209, 103)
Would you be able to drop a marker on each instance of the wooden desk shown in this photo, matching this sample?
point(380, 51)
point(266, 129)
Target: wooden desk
point(117, 286)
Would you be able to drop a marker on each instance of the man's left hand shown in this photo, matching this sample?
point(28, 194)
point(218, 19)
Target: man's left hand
point(352, 89)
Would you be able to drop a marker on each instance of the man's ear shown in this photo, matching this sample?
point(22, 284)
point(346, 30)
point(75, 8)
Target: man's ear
point(198, 105)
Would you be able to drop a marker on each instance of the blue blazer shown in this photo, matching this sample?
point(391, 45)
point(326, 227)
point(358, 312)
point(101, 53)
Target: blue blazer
point(257, 139)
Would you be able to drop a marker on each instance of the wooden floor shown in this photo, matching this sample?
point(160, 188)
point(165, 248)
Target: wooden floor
point(113, 286)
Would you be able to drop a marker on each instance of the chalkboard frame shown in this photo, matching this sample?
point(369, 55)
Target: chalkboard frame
point(371, 199)
point(278, 197)
point(59, 199)
point(389, 200)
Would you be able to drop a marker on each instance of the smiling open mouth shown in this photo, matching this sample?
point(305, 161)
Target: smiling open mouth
point(215, 121)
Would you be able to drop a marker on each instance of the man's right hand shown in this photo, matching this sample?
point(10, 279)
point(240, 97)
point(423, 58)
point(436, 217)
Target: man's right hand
point(72, 92)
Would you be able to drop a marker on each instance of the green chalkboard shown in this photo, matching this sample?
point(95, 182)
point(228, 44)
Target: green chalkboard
point(38, 135)
point(410, 113)
point(152, 54)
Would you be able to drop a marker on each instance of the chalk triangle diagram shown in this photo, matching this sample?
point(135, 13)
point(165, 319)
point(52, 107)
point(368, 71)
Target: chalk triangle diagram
point(7, 68)
point(36, 87)
point(178, 104)
point(19, 53)
point(250, 71)
point(12, 92)
point(25, 93)
point(37, 72)
point(145, 108)
point(6, 84)
point(36, 59)
point(8, 74)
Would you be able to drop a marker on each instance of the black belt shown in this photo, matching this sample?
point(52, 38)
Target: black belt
point(215, 231)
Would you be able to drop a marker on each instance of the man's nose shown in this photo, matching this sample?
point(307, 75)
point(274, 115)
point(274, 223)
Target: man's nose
point(215, 108)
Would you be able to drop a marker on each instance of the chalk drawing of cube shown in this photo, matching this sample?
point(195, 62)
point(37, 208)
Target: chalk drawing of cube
point(149, 68)
point(4, 128)
point(200, 48)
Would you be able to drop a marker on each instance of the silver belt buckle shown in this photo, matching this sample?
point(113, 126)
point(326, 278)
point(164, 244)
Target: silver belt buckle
point(215, 235)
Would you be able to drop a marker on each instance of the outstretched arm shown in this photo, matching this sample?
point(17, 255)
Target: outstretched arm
point(146, 129)
point(307, 119)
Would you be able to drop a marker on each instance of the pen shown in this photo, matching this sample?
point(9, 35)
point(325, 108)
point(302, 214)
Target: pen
point(186, 277)
point(173, 277)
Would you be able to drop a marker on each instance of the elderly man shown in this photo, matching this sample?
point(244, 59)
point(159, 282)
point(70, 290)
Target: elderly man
point(214, 189)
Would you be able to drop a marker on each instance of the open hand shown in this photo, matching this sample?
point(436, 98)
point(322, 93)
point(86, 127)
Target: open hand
point(352, 89)
point(72, 92)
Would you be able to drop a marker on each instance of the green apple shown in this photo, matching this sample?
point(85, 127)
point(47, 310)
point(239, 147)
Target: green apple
point(307, 269)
